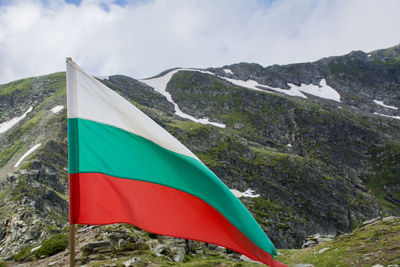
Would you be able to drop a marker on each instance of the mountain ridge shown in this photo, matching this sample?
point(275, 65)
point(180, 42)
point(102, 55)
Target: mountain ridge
point(319, 165)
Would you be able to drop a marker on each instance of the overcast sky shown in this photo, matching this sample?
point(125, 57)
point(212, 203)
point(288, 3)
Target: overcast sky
point(142, 38)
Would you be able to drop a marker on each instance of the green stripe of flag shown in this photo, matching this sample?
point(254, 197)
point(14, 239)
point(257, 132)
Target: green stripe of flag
point(115, 152)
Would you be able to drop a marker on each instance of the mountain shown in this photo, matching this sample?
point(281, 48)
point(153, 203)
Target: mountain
point(309, 148)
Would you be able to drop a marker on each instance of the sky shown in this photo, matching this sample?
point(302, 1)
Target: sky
point(141, 38)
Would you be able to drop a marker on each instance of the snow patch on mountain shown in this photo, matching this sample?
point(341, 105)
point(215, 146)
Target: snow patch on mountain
point(248, 193)
point(292, 91)
point(160, 84)
point(5, 126)
point(387, 116)
point(251, 84)
point(380, 103)
point(228, 71)
point(322, 90)
point(57, 109)
point(27, 154)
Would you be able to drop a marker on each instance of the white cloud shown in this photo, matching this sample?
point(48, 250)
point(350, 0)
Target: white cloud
point(146, 37)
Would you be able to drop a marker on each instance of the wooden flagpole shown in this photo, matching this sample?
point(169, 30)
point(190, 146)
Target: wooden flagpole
point(71, 226)
point(72, 245)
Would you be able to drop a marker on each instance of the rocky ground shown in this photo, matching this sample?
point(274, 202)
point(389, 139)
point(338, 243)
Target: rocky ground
point(125, 245)
point(375, 243)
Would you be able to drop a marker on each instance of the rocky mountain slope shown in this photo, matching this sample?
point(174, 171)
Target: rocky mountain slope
point(319, 143)
point(374, 243)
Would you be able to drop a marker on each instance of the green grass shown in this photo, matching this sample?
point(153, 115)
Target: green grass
point(20, 86)
point(52, 245)
point(263, 209)
point(18, 191)
point(366, 246)
point(387, 174)
point(8, 152)
point(212, 261)
point(24, 254)
point(146, 257)
point(235, 116)
point(208, 160)
point(186, 125)
point(269, 157)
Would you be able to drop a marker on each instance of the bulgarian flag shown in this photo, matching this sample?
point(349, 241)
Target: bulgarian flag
point(125, 168)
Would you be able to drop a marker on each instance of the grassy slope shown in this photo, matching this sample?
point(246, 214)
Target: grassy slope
point(378, 243)
point(18, 138)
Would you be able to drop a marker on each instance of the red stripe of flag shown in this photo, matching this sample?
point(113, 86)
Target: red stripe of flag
point(101, 199)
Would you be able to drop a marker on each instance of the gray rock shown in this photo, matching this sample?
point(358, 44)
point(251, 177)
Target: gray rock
point(390, 218)
point(161, 250)
point(179, 254)
point(220, 249)
point(316, 239)
point(371, 221)
point(99, 244)
point(36, 165)
point(131, 262)
point(322, 250)
point(247, 259)
point(179, 257)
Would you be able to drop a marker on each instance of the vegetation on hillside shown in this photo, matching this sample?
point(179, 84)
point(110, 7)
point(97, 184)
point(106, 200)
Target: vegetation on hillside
point(376, 243)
